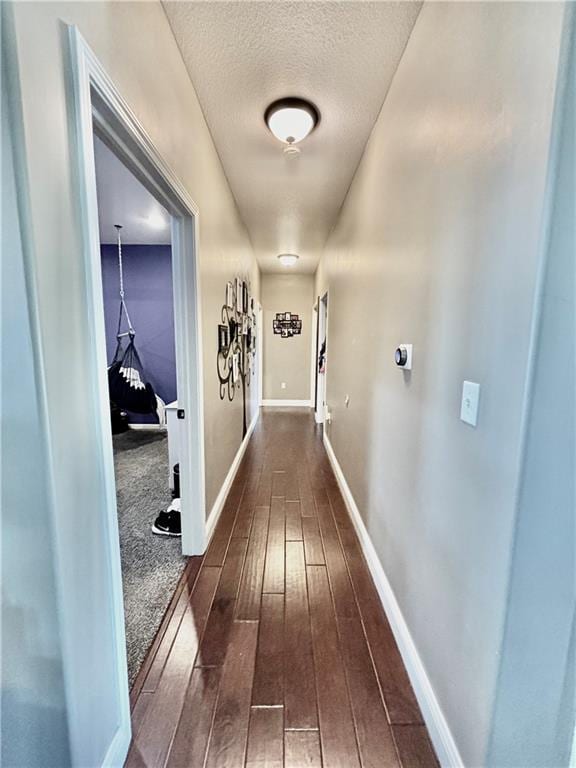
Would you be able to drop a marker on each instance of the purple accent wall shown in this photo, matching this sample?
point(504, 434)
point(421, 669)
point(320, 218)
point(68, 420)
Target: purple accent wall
point(149, 297)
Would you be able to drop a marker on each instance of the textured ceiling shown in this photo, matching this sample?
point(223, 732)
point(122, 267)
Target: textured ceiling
point(123, 200)
point(243, 55)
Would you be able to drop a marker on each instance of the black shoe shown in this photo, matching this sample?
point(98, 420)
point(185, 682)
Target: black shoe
point(167, 524)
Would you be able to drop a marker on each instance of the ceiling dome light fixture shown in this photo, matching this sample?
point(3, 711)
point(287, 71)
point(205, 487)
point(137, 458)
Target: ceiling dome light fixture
point(288, 259)
point(291, 120)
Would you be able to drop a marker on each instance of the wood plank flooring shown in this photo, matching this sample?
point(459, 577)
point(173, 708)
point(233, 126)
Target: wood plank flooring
point(275, 652)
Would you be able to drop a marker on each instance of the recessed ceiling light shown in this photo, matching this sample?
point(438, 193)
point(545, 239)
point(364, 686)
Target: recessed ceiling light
point(291, 119)
point(288, 259)
point(156, 220)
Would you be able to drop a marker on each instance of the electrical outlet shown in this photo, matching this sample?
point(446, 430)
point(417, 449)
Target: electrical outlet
point(469, 406)
point(283, 385)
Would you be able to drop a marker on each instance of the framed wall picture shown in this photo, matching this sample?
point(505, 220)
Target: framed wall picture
point(245, 298)
point(236, 344)
point(286, 325)
point(223, 338)
point(239, 295)
point(229, 295)
point(235, 367)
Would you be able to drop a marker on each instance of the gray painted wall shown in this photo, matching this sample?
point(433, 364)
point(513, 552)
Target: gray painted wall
point(536, 693)
point(287, 360)
point(438, 245)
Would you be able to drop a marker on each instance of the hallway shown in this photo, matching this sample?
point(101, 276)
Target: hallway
point(366, 209)
point(276, 650)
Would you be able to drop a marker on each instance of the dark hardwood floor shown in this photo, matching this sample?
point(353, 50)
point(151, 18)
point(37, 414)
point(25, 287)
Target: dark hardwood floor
point(275, 650)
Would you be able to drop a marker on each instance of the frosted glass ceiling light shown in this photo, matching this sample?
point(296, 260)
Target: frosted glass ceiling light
point(288, 259)
point(291, 120)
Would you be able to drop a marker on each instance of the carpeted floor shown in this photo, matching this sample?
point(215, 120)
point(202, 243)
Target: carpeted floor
point(151, 565)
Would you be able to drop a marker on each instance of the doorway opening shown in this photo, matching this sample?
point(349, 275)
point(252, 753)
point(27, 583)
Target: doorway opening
point(138, 303)
point(99, 109)
point(321, 359)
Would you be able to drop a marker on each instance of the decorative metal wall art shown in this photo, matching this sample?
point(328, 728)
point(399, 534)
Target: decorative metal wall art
point(236, 343)
point(286, 324)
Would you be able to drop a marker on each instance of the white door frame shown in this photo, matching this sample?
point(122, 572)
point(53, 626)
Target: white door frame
point(260, 351)
point(322, 320)
point(314, 356)
point(97, 105)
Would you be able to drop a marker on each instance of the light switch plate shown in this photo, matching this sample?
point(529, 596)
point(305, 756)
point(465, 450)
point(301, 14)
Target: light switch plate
point(470, 398)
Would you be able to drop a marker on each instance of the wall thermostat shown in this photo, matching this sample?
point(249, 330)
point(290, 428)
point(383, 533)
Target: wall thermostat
point(403, 356)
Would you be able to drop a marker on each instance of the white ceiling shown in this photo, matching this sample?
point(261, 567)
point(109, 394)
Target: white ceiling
point(123, 200)
point(241, 56)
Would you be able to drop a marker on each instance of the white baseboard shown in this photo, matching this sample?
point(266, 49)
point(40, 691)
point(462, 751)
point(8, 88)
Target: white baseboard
point(228, 480)
point(149, 427)
point(288, 403)
point(437, 725)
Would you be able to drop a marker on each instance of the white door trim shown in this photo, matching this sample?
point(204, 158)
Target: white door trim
point(313, 334)
point(260, 352)
point(96, 103)
point(321, 391)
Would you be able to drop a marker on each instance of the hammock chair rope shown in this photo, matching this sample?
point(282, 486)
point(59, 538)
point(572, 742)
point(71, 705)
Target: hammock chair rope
point(127, 381)
point(123, 307)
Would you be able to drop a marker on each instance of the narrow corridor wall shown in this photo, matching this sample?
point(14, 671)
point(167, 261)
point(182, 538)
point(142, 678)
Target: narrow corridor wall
point(438, 245)
point(287, 360)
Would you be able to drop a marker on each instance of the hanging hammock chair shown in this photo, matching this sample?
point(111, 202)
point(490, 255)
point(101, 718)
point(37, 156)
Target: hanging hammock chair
point(127, 383)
